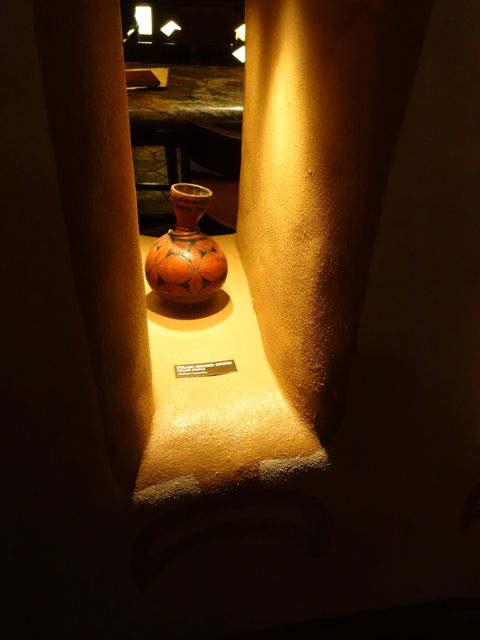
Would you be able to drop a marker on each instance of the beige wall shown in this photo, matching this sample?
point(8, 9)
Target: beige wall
point(402, 489)
point(82, 66)
point(410, 444)
point(61, 504)
point(326, 84)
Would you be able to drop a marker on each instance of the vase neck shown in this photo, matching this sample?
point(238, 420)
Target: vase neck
point(187, 216)
point(188, 209)
point(186, 231)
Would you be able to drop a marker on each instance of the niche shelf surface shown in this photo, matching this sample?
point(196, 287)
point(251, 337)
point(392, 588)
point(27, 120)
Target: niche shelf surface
point(210, 430)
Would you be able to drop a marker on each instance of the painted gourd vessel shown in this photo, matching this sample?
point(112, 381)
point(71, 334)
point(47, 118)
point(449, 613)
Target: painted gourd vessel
point(186, 266)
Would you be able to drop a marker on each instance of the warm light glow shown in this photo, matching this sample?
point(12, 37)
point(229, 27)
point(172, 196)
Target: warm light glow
point(221, 108)
point(143, 15)
point(170, 27)
point(129, 33)
point(239, 53)
point(240, 32)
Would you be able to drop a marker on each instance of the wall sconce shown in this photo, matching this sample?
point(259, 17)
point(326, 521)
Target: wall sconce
point(169, 27)
point(240, 52)
point(240, 32)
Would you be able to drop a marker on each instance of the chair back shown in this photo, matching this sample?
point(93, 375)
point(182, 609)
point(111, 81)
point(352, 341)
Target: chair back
point(216, 148)
point(212, 156)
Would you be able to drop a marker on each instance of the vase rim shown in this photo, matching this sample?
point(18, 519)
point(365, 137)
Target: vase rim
point(190, 190)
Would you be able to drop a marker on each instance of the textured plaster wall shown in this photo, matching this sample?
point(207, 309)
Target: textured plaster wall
point(61, 511)
point(403, 487)
point(82, 70)
point(326, 85)
point(409, 448)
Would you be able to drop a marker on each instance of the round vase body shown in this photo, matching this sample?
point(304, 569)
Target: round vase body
point(186, 266)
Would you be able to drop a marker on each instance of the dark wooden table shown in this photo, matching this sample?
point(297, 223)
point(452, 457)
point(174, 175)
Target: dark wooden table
point(162, 116)
point(213, 94)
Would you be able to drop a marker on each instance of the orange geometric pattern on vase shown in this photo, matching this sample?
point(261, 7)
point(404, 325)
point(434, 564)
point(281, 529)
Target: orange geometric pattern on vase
point(186, 269)
point(185, 265)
